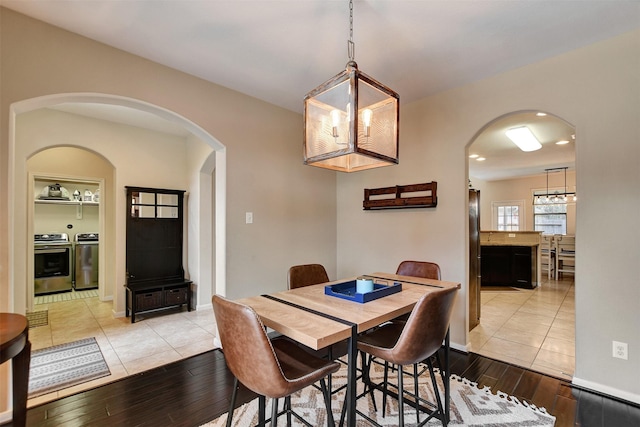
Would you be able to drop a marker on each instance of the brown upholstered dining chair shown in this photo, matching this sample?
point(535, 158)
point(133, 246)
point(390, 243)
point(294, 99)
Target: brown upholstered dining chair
point(271, 368)
point(424, 269)
point(427, 270)
point(306, 275)
point(412, 342)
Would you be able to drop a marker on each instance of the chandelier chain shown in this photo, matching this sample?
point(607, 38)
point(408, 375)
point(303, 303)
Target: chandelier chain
point(351, 47)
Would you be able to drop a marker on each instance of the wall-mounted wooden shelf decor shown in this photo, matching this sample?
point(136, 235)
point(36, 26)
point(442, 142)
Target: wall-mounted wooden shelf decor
point(424, 196)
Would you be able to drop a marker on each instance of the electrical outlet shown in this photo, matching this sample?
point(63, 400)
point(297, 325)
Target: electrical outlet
point(620, 350)
point(249, 217)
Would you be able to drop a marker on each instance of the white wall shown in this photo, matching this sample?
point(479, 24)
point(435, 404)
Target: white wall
point(596, 89)
point(199, 220)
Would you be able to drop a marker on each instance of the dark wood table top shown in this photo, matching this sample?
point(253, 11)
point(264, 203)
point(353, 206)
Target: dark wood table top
point(14, 331)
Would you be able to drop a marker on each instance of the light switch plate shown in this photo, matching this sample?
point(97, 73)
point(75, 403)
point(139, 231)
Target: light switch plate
point(249, 217)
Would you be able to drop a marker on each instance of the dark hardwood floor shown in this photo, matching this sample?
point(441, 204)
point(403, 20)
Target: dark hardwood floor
point(196, 390)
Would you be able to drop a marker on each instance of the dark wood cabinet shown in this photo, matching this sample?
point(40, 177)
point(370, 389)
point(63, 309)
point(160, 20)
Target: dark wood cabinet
point(509, 266)
point(155, 274)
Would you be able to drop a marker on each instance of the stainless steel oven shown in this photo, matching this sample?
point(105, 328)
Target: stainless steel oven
point(53, 263)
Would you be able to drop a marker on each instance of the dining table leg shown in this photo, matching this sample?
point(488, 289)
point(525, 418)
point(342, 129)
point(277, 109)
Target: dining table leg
point(352, 353)
point(447, 383)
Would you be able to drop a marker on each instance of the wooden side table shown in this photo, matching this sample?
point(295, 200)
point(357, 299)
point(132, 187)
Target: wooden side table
point(15, 345)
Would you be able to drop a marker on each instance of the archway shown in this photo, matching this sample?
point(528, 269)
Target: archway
point(80, 168)
point(18, 192)
point(511, 177)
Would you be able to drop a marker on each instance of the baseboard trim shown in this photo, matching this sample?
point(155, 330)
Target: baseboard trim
point(6, 416)
point(459, 347)
point(607, 390)
point(204, 307)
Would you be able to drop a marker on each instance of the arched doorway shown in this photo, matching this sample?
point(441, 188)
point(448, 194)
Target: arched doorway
point(534, 328)
point(214, 165)
point(75, 168)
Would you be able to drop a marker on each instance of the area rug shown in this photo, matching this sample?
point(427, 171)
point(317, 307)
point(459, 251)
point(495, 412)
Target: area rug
point(38, 318)
point(470, 406)
point(65, 365)
point(65, 296)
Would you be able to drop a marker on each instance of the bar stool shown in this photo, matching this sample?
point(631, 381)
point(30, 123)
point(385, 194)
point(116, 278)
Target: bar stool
point(412, 342)
point(271, 368)
point(306, 275)
point(425, 269)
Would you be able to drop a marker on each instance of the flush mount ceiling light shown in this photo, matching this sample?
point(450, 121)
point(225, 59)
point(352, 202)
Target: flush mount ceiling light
point(523, 138)
point(351, 122)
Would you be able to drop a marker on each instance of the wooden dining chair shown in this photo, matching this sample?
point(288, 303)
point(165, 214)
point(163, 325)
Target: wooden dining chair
point(306, 275)
point(547, 255)
point(412, 342)
point(565, 255)
point(271, 368)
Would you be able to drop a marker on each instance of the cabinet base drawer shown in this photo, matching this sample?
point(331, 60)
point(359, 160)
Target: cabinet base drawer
point(148, 300)
point(175, 296)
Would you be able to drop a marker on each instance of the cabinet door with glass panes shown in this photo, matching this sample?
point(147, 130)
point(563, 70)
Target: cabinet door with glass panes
point(154, 235)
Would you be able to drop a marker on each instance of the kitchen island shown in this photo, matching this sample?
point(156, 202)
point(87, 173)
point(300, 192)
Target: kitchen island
point(510, 258)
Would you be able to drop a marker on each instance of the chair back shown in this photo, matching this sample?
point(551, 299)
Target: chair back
point(427, 270)
point(565, 245)
point(547, 242)
point(247, 349)
point(426, 327)
point(547, 253)
point(306, 275)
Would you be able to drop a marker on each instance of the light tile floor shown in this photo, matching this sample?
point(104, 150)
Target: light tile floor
point(530, 328)
point(155, 339)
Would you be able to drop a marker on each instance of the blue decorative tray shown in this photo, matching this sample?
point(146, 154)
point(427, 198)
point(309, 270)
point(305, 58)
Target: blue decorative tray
point(347, 290)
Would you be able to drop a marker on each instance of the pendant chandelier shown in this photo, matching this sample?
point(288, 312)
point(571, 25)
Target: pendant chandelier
point(351, 122)
point(556, 197)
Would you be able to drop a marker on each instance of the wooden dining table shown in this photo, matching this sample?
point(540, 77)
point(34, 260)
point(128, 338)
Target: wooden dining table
point(316, 320)
point(15, 346)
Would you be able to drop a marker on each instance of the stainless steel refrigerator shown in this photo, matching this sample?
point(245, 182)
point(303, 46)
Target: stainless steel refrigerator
point(474, 258)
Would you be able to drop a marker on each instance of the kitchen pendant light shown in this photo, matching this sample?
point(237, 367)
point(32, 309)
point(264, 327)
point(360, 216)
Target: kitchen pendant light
point(557, 196)
point(351, 122)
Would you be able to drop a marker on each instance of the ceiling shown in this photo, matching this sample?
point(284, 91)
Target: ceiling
point(504, 160)
point(278, 50)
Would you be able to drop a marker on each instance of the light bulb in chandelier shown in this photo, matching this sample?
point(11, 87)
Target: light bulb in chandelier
point(367, 114)
point(335, 121)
